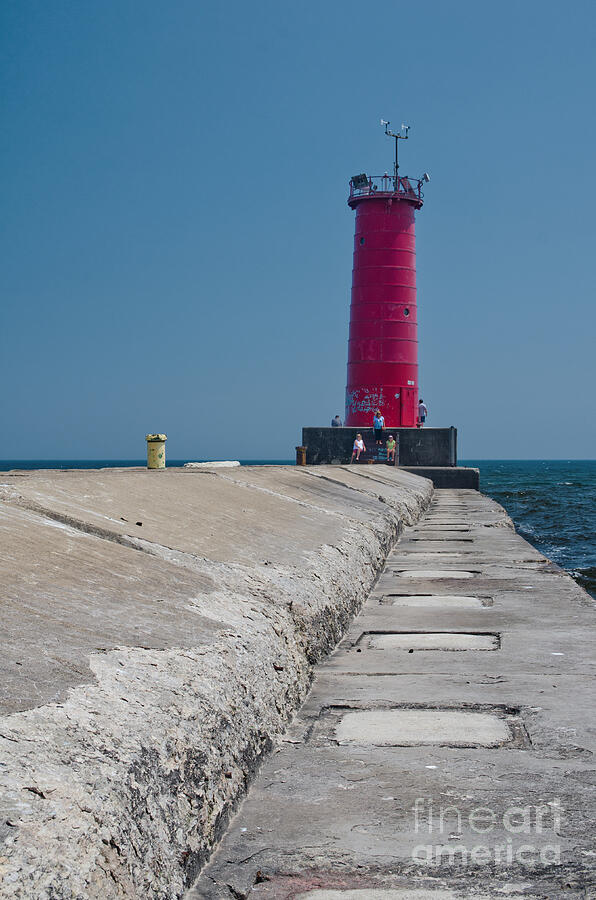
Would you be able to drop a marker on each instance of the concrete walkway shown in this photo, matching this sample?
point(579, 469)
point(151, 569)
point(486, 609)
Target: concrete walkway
point(447, 747)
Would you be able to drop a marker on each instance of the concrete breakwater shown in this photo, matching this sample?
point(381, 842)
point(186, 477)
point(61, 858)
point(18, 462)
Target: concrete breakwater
point(446, 749)
point(160, 629)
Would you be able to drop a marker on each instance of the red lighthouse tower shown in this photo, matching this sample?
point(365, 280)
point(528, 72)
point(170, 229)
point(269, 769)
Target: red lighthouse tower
point(383, 341)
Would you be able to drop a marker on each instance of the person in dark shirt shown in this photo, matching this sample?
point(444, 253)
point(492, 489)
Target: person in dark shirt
point(336, 422)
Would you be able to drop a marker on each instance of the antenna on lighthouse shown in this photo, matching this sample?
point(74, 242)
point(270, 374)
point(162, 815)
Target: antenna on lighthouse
point(398, 137)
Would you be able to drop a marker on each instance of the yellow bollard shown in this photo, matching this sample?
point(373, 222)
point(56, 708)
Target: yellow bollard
point(156, 451)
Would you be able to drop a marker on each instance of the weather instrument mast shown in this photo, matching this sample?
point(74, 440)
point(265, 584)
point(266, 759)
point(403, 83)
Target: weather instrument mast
point(401, 136)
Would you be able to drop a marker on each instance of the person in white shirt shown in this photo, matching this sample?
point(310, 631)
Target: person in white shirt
point(422, 413)
point(358, 448)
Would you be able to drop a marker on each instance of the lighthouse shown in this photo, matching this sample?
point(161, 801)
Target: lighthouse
point(383, 337)
point(383, 342)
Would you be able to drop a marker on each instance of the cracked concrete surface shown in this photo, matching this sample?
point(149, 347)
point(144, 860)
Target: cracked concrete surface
point(160, 630)
point(345, 809)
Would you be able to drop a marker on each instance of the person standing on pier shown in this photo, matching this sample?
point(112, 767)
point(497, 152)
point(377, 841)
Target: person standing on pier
point(336, 422)
point(378, 425)
point(422, 413)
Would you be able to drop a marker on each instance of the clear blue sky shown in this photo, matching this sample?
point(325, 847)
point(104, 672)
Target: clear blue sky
point(177, 245)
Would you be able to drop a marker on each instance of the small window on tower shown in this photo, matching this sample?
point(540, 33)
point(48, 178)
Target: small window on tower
point(406, 312)
point(361, 241)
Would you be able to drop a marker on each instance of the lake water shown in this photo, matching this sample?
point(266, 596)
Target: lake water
point(553, 506)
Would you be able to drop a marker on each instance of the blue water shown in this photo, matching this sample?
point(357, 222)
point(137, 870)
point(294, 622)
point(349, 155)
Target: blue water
point(553, 506)
point(552, 502)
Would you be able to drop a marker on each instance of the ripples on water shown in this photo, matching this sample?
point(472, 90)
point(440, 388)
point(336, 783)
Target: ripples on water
point(553, 506)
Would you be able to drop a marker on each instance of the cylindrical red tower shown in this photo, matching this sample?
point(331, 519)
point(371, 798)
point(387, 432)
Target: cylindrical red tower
point(383, 342)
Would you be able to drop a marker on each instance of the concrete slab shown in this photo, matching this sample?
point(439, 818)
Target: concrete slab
point(429, 525)
point(432, 641)
point(380, 894)
point(417, 553)
point(438, 601)
point(446, 522)
point(430, 574)
point(67, 595)
point(415, 727)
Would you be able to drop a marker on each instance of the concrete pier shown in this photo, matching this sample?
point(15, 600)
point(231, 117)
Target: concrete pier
point(447, 747)
point(159, 629)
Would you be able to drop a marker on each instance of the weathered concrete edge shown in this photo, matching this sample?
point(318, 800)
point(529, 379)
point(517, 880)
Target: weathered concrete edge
point(141, 820)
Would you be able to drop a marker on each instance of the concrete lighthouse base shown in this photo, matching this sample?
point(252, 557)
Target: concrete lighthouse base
point(416, 446)
point(429, 452)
